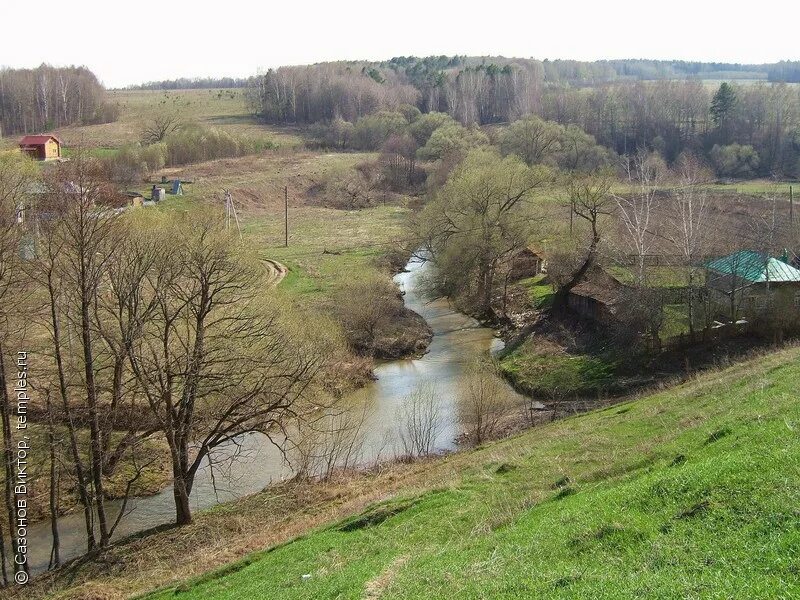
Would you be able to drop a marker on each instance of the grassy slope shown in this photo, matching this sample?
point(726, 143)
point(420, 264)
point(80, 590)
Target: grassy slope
point(226, 109)
point(692, 492)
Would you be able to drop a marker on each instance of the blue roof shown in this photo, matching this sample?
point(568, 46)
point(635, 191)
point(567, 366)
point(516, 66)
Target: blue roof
point(755, 267)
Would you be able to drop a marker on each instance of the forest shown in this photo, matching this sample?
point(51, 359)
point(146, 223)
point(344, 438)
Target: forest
point(34, 100)
point(743, 130)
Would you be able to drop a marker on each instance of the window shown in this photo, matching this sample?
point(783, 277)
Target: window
point(797, 299)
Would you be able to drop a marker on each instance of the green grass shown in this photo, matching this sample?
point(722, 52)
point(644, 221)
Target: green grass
point(691, 493)
point(540, 293)
point(548, 374)
point(662, 277)
point(676, 320)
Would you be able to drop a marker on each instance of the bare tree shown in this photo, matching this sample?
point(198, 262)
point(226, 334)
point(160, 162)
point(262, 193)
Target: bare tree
point(159, 127)
point(214, 363)
point(421, 421)
point(589, 200)
point(688, 228)
point(484, 403)
point(331, 442)
point(16, 174)
point(644, 172)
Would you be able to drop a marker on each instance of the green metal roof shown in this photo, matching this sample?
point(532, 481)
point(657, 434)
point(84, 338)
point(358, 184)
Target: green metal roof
point(754, 267)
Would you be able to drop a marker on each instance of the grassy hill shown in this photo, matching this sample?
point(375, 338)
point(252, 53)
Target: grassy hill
point(689, 493)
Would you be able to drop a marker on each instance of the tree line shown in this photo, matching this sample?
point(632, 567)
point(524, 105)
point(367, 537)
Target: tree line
point(47, 97)
point(193, 83)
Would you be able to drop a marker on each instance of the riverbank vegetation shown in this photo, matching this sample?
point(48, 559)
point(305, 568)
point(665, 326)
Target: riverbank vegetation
point(701, 470)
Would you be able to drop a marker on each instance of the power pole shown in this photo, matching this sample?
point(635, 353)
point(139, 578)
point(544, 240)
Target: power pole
point(791, 206)
point(230, 213)
point(571, 217)
point(285, 216)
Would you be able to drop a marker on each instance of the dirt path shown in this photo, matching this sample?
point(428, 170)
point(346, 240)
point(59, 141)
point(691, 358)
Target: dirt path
point(275, 272)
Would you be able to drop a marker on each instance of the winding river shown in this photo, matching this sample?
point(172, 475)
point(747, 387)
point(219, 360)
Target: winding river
point(457, 342)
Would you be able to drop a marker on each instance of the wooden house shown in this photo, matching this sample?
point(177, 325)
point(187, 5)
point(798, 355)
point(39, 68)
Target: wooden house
point(597, 297)
point(41, 147)
point(528, 262)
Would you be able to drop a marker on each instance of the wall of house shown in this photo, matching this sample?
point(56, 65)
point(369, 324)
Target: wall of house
point(52, 150)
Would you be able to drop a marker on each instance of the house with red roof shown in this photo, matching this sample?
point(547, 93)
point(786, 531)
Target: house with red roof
point(41, 147)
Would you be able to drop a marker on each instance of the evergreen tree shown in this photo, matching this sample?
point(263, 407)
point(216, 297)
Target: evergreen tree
point(722, 104)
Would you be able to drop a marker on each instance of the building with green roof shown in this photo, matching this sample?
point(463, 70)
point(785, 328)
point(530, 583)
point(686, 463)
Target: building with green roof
point(748, 282)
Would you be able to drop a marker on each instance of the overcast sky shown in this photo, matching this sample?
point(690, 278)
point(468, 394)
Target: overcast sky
point(145, 40)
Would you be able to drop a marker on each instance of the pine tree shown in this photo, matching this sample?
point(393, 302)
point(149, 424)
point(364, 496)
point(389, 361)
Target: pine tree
point(722, 104)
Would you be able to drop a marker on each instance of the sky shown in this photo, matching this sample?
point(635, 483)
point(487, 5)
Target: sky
point(133, 42)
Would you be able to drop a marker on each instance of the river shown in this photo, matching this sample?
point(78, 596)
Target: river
point(457, 342)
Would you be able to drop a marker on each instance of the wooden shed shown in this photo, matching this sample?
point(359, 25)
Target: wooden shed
point(597, 297)
point(41, 147)
point(528, 262)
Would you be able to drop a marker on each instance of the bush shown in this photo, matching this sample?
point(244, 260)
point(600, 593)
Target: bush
point(188, 145)
point(422, 129)
point(735, 160)
point(371, 131)
point(452, 140)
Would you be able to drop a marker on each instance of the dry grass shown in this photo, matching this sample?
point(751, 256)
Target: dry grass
point(225, 109)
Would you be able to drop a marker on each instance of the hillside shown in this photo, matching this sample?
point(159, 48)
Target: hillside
point(692, 492)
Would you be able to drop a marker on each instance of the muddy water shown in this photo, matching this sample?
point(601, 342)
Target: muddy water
point(458, 341)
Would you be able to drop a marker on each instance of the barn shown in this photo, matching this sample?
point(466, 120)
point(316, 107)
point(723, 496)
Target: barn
point(41, 147)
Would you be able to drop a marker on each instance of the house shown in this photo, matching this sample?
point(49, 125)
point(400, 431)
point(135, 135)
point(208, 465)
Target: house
point(41, 147)
point(748, 281)
point(528, 262)
point(597, 297)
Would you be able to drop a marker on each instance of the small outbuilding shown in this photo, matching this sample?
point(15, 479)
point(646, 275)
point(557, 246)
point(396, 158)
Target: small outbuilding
point(597, 297)
point(41, 147)
point(528, 262)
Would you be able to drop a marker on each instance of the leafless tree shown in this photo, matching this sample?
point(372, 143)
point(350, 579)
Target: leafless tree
point(644, 173)
point(688, 227)
point(484, 403)
point(589, 200)
point(16, 174)
point(212, 362)
point(421, 421)
point(159, 127)
point(332, 442)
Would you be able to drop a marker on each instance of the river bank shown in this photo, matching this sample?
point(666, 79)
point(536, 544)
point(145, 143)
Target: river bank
point(458, 341)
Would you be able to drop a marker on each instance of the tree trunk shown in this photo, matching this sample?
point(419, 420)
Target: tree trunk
point(94, 421)
point(80, 475)
point(560, 297)
point(180, 491)
point(55, 554)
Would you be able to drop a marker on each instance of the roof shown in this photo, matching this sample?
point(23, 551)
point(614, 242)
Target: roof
point(35, 140)
point(755, 267)
point(601, 286)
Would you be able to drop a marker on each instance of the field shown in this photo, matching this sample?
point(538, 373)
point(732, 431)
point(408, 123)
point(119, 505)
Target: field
point(225, 108)
point(689, 493)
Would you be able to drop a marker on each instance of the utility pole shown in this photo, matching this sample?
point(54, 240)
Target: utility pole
point(791, 206)
point(571, 217)
point(286, 216)
point(231, 214)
